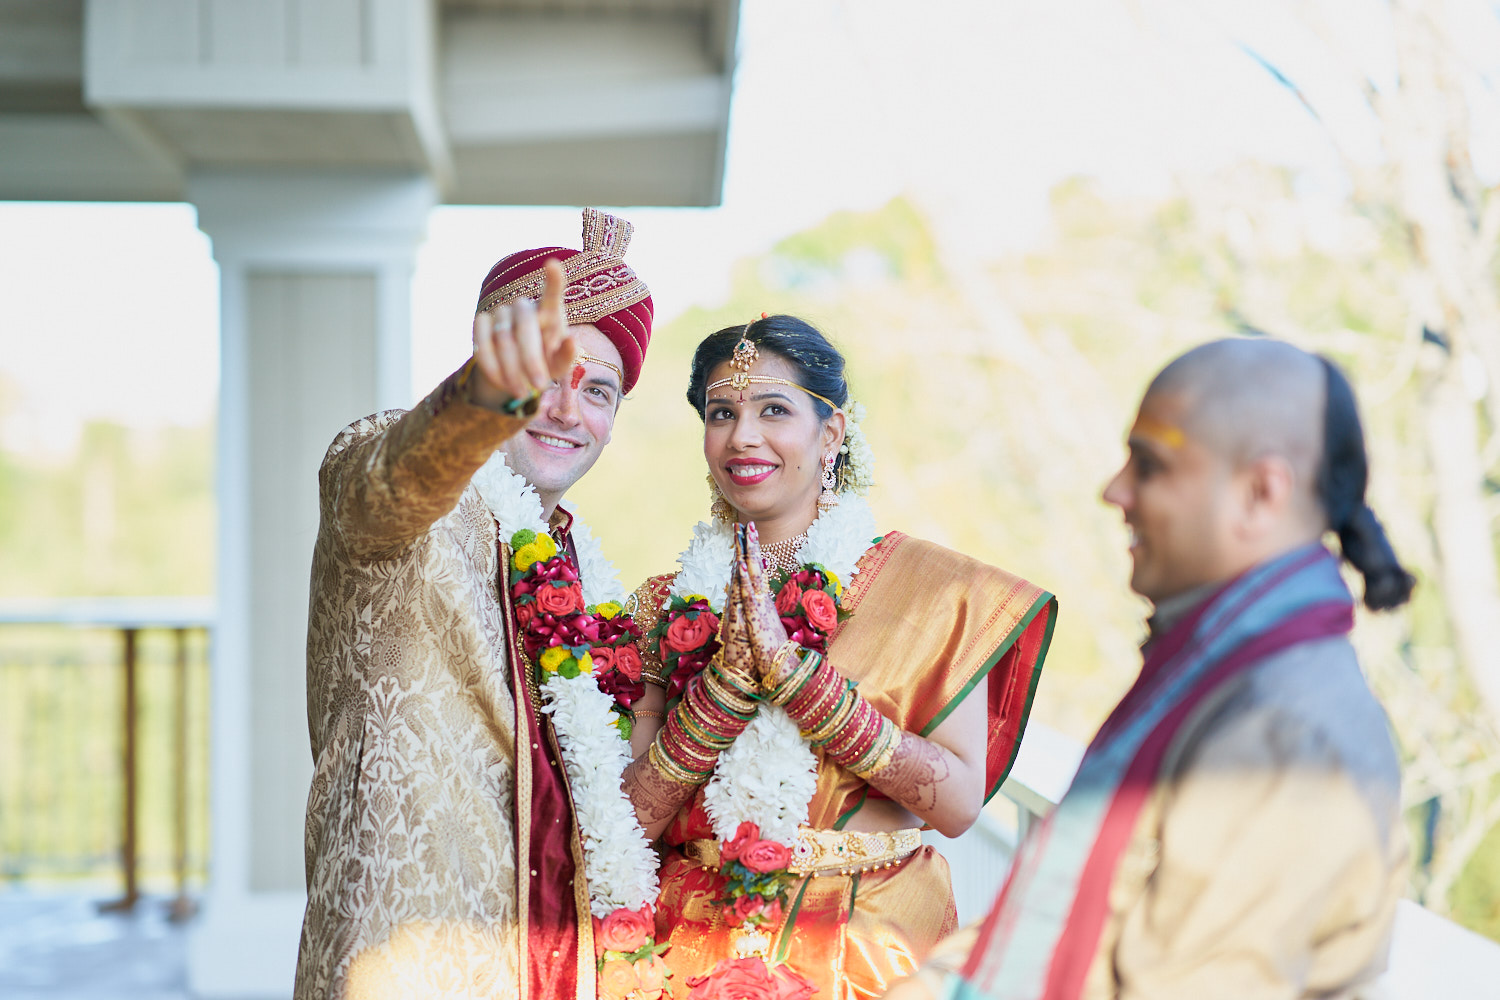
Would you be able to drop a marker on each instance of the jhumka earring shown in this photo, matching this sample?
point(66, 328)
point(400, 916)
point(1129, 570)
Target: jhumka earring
point(719, 508)
point(828, 499)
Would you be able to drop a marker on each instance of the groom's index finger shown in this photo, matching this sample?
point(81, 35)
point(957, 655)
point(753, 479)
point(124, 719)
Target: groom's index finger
point(553, 316)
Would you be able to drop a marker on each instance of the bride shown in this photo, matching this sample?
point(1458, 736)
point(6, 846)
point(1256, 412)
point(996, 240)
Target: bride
point(817, 693)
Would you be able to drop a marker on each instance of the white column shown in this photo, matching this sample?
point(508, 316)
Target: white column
point(315, 290)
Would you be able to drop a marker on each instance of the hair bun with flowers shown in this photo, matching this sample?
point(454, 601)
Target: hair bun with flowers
point(858, 472)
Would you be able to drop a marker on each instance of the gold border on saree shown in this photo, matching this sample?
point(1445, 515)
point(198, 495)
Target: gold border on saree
point(824, 853)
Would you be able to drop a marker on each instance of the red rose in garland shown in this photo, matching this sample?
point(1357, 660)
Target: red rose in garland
point(604, 659)
point(748, 906)
point(626, 930)
point(560, 600)
point(628, 660)
point(686, 634)
point(734, 979)
point(747, 834)
point(822, 612)
point(789, 598)
point(765, 856)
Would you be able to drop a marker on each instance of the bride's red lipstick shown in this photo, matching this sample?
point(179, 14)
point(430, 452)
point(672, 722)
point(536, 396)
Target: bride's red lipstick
point(748, 480)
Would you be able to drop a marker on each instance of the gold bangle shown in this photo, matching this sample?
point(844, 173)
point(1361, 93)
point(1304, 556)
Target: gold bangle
point(842, 712)
point(745, 683)
point(646, 713)
point(724, 691)
point(882, 759)
point(777, 674)
point(668, 768)
point(807, 665)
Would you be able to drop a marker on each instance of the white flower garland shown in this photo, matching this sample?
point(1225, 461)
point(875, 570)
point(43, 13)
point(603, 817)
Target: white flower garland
point(769, 774)
point(617, 858)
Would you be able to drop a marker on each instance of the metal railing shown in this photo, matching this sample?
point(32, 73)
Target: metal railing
point(104, 743)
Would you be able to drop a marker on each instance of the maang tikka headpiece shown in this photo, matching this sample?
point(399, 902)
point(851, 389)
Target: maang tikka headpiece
point(745, 356)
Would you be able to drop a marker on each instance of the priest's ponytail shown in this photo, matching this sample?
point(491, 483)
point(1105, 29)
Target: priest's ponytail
point(1343, 474)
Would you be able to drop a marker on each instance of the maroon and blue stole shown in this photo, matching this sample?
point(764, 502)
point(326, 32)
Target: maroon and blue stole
point(1044, 929)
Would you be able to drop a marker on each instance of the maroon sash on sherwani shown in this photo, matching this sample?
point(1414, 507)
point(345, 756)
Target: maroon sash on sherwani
point(559, 958)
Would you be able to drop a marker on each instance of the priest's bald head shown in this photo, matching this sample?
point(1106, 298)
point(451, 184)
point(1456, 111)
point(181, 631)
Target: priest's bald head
point(1243, 450)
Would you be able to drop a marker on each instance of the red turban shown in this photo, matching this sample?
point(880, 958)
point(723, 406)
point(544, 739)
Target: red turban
point(602, 289)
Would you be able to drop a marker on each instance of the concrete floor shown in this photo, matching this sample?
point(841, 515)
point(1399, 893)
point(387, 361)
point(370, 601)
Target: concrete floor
point(56, 945)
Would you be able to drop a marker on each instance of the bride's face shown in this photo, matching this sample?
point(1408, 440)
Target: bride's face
point(766, 452)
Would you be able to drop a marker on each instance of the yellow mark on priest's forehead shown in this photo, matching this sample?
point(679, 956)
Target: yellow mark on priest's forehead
point(1159, 431)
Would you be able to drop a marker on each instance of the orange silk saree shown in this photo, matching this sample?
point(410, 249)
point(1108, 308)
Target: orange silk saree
point(929, 627)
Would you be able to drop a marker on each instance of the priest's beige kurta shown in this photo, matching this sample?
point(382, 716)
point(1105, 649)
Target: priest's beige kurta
point(1268, 863)
point(409, 840)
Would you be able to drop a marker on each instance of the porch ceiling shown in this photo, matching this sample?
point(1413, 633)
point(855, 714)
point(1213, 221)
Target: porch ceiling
point(500, 101)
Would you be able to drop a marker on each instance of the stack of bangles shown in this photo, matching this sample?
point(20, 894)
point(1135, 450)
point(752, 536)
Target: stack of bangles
point(713, 711)
point(832, 715)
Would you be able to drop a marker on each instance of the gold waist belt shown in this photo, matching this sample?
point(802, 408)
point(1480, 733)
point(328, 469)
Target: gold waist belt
point(830, 852)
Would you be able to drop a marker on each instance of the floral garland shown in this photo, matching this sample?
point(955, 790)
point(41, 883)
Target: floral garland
point(585, 651)
point(764, 783)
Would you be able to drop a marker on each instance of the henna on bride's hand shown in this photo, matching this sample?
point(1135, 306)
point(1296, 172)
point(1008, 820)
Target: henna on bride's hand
point(656, 797)
point(738, 651)
point(763, 622)
point(913, 776)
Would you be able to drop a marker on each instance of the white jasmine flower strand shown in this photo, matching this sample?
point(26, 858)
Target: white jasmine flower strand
point(768, 776)
point(618, 860)
point(512, 500)
point(617, 857)
point(704, 566)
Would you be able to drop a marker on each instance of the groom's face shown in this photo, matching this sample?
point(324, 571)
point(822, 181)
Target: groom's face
point(573, 422)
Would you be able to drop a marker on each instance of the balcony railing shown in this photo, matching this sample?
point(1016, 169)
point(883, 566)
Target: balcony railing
point(104, 743)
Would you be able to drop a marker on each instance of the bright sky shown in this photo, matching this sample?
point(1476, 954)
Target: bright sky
point(975, 108)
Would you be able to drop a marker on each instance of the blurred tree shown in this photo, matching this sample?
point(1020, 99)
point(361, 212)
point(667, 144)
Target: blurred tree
point(127, 512)
point(1424, 194)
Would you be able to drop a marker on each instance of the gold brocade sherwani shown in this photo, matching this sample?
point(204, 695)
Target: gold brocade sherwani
point(411, 819)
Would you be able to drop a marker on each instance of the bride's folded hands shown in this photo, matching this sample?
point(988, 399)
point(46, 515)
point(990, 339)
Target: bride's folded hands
point(939, 779)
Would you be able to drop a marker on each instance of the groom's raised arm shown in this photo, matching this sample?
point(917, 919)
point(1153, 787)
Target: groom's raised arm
point(385, 482)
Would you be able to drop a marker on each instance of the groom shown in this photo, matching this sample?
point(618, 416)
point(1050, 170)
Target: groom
point(443, 856)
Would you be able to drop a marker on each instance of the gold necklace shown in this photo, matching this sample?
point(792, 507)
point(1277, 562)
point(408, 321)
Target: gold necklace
point(782, 555)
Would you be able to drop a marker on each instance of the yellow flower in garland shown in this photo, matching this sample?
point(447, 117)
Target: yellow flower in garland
point(560, 660)
point(608, 609)
point(838, 588)
point(539, 549)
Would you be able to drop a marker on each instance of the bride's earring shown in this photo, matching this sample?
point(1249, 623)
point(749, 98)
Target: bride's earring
point(828, 499)
point(719, 508)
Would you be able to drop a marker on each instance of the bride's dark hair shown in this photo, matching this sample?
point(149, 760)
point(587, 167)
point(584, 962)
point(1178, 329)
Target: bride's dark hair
point(819, 365)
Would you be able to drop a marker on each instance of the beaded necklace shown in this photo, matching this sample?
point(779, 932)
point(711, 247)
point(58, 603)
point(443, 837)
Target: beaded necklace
point(782, 556)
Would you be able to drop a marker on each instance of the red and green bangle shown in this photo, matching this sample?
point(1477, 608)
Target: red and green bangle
point(704, 723)
point(835, 718)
